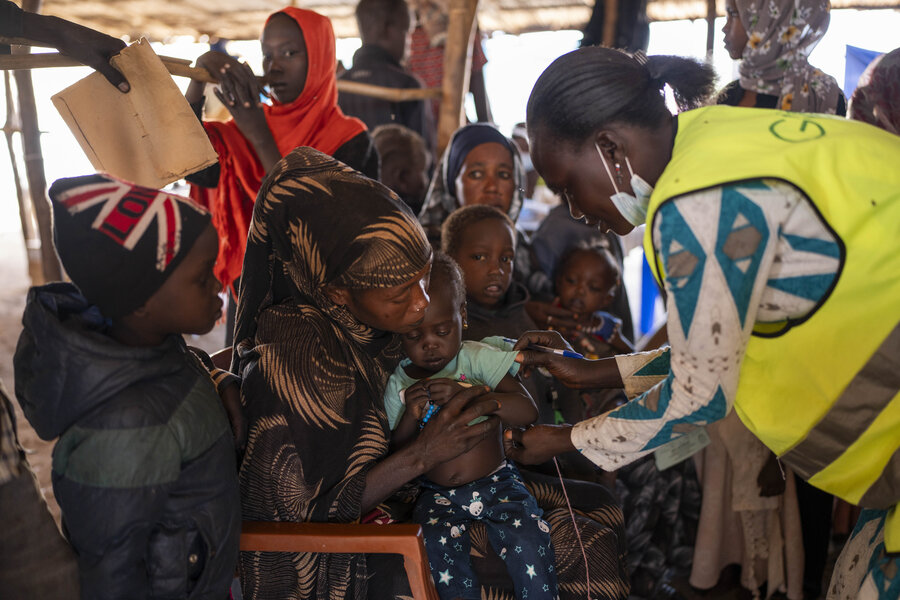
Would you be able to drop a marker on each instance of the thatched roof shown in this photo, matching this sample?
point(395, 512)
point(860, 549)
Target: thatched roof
point(242, 19)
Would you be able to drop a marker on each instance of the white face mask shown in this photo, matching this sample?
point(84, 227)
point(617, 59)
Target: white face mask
point(632, 208)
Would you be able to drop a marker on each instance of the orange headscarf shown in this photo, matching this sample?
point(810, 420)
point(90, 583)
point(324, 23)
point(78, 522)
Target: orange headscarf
point(313, 119)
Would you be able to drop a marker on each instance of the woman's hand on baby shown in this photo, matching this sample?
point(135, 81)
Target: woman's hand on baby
point(447, 434)
point(441, 390)
point(550, 316)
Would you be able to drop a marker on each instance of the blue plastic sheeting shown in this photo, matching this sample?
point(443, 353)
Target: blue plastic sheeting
point(649, 294)
point(857, 59)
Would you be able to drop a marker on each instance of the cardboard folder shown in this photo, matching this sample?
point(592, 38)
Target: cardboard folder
point(150, 135)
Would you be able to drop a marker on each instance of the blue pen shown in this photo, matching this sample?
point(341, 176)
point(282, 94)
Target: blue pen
point(565, 353)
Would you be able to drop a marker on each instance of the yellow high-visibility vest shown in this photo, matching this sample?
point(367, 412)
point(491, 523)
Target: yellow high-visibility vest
point(823, 392)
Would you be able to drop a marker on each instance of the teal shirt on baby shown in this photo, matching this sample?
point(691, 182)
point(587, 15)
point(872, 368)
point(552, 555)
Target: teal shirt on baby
point(477, 363)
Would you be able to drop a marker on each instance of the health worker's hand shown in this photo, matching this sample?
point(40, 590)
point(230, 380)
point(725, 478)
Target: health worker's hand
point(576, 373)
point(538, 443)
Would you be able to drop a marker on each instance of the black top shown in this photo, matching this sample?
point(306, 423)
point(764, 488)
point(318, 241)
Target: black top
point(374, 65)
point(10, 19)
point(509, 319)
point(732, 93)
point(10, 22)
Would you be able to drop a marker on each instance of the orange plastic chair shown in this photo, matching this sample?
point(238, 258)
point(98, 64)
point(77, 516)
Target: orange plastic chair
point(405, 539)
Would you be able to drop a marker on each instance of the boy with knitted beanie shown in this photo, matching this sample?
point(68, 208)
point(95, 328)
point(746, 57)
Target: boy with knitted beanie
point(144, 469)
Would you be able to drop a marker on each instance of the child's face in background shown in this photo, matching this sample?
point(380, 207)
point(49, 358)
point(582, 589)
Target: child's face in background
point(587, 283)
point(188, 301)
point(435, 342)
point(485, 255)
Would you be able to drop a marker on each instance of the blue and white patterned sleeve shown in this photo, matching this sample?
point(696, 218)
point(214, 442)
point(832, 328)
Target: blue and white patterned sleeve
point(733, 256)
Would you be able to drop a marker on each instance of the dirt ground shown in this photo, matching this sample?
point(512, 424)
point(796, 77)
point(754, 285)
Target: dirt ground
point(14, 284)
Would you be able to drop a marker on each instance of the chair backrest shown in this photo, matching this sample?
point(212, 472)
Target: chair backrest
point(347, 538)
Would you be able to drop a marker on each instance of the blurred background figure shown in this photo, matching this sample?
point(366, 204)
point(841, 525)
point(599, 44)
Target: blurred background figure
point(405, 163)
point(426, 59)
point(876, 99)
point(773, 40)
point(385, 27)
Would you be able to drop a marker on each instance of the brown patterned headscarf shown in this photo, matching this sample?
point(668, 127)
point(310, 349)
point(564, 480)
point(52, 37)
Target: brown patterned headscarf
point(317, 222)
point(313, 375)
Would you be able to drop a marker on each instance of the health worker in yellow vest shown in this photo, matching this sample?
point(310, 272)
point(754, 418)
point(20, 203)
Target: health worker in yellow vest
point(776, 239)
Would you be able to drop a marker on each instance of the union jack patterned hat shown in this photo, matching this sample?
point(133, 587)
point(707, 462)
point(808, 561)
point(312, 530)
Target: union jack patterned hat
point(119, 241)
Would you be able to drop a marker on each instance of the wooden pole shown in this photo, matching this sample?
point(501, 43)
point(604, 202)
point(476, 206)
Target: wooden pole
point(610, 20)
point(183, 68)
point(29, 235)
point(710, 28)
point(457, 68)
point(34, 164)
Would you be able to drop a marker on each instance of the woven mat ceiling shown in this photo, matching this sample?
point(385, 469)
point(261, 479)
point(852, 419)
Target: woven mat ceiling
point(243, 19)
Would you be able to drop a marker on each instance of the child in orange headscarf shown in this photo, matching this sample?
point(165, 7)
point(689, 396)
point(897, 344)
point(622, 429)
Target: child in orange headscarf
point(299, 73)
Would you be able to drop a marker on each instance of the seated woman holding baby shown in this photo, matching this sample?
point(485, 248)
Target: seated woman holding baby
point(336, 269)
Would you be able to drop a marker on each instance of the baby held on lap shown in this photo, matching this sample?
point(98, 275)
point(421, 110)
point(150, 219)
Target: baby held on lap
point(479, 485)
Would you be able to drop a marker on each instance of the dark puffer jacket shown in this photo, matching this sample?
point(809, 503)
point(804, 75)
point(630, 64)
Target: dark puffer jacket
point(144, 468)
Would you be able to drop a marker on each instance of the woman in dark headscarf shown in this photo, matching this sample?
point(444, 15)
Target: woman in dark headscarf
point(479, 166)
point(506, 184)
point(334, 264)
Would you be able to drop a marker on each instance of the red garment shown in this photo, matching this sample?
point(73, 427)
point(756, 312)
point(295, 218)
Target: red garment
point(427, 62)
point(313, 119)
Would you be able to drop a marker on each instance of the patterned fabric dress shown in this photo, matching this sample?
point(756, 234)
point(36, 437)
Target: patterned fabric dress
point(313, 376)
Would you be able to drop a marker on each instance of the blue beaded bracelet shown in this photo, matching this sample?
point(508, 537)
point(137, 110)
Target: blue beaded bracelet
point(432, 410)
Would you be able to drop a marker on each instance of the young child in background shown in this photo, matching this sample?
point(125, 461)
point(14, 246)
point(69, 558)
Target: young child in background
point(587, 278)
point(482, 240)
point(144, 469)
point(479, 485)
